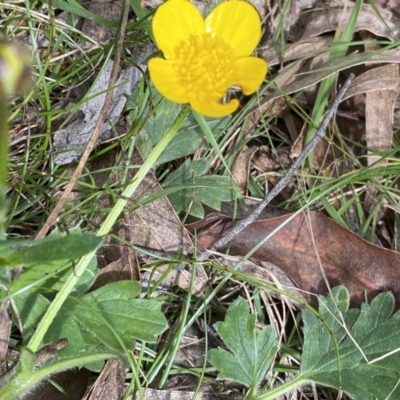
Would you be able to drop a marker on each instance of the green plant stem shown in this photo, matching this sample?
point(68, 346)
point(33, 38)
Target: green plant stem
point(179, 333)
point(282, 389)
point(27, 379)
point(112, 217)
point(210, 136)
point(3, 163)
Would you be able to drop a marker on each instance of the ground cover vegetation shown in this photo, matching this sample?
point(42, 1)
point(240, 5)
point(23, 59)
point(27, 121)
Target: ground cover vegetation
point(135, 135)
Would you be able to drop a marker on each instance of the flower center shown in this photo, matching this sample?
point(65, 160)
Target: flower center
point(203, 64)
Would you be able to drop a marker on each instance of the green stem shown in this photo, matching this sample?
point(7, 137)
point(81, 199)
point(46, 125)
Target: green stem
point(210, 136)
point(282, 389)
point(179, 333)
point(112, 217)
point(25, 380)
point(3, 163)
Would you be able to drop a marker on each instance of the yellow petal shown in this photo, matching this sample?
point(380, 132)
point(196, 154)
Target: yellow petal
point(248, 73)
point(175, 21)
point(213, 108)
point(167, 82)
point(238, 24)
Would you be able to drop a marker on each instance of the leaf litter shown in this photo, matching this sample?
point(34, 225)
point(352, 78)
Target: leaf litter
point(315, 252)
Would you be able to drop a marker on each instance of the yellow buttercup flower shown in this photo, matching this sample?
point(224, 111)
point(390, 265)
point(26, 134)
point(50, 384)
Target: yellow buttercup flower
point(205, 57)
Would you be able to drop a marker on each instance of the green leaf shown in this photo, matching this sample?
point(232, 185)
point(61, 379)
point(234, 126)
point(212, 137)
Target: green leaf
point(31, 307)
point(37, 284)
point(187, 141)
point(57, 273)
point(75, 8)
point(359, 353)
point(51, 249)
point(193, 190)
point(252, 349)
point(108, 318)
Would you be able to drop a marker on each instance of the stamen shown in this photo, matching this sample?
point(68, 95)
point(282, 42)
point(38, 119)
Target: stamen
point(203, 65)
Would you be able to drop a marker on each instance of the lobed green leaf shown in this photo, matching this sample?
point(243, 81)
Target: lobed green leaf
point(357, 351)
point(252, 349)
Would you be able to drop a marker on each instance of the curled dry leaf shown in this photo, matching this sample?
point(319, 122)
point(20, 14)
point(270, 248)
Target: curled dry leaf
point(379, 106)
point(241, 167)
point(371, 81)
point(5, 329)
point(307, 47)
point(110, 384)
point(389, 5)
point(332, 18)
point(316, 253)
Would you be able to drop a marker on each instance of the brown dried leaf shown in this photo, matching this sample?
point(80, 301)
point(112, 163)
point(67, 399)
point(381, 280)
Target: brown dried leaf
point(110, 385)
point(105, 9)
point(371, 81)
point(156, 225)
point(293, 82)
point(389, 5)
point(124, 268)
point(304, 48)
point(241, 167)
point(269, 273)
point(332, 18)
point(49, 351)
point(182, 395)
point(5, 329)
point(309, 79)
point(379, 107)
point(311, 247)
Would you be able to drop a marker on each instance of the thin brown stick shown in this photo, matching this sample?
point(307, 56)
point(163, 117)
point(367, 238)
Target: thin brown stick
point(93, 139)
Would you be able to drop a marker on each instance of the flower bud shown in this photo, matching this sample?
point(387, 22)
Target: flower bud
point(15, 69)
